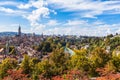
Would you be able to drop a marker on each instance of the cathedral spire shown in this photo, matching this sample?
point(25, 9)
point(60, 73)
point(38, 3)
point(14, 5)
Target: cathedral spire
point(19, 31)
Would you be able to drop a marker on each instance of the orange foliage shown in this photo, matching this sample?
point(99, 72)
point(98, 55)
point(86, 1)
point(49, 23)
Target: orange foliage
point(107, 74)
point(57, 78)
point(72, 75)
point(110, 77)
point(16, 75)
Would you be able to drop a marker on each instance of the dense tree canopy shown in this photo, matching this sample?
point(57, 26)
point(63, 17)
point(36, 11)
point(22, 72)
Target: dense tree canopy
point(94, 57)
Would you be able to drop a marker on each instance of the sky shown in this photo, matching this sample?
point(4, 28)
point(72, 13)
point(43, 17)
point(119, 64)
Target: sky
point(69, 17)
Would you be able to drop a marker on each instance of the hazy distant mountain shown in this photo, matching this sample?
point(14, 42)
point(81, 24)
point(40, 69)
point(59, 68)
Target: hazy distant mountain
point(13, 34)
point(8, 34)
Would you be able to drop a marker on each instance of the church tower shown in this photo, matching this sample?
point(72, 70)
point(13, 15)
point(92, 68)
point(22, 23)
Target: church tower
point(19, 35)
point(19, 31)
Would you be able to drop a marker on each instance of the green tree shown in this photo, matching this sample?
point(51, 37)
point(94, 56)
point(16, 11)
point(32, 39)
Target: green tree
point(59, 61)
point(116, 62)
point(80, 60)
point(44, 68)
point(34, 68)
point(99, 58)
point(55, 65)
point(25, 65)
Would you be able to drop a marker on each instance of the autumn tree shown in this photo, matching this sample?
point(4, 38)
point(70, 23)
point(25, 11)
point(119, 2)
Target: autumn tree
point(6, 65)
point(16, 75)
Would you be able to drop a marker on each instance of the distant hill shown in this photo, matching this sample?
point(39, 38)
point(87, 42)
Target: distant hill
point(7, 34)
point(3, 34)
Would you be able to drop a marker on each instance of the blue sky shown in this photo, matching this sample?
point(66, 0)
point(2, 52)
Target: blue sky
point(71, 17)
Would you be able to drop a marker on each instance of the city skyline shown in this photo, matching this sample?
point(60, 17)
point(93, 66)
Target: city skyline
point(70, 17)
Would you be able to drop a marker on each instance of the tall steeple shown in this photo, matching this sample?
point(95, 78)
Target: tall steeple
point(19, 31)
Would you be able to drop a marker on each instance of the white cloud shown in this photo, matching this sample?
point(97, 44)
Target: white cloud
point(87, 8)
point(38, 28)
point(35, 16)
point(22, 6)
point(12, 28)
point(118, 31)
point(33, 11)
point(3, 3)
point(36, 10)
point(10, 11)
point(75, 22)
point(32, 3)
point(98, 23)
point(52, 23)
point(7, 10)
point(72, 27)
point(4, 28)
